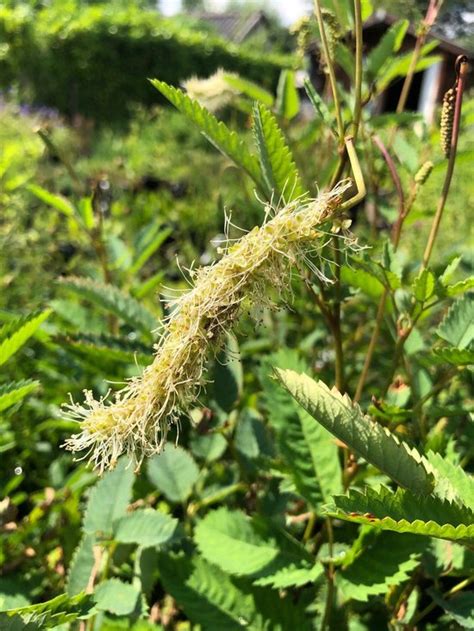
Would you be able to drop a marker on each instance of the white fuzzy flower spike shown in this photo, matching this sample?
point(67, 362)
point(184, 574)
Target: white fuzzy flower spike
point(136, 419)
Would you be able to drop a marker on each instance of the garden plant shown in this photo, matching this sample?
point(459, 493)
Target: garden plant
point(241, 396)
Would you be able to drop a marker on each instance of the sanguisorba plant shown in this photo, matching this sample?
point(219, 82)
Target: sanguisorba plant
point(329, 517)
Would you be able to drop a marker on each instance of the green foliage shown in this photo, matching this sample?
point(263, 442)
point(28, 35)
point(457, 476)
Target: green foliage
point(145, 528)
point(227, 141)
point(386, 561)
point(403, 511)
point(110, 39)
point(282, 507)
point(109, 499)
point(278, 167)
point(310, 454)
point(174, 473)
point(15, 391)
point(114, 301)
point(228, 375)
point(457, 327)
point(388, 44)
point(368, 439)
point(16, 333)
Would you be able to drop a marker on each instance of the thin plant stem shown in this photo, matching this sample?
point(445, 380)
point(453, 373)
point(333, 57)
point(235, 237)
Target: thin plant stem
point(402, 212)
point(461, 70)
point(358, 69)
point(331, 72)
point(330, 578)
point(430, 18)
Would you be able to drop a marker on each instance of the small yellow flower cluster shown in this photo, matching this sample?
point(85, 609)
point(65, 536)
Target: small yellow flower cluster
point(137, 420)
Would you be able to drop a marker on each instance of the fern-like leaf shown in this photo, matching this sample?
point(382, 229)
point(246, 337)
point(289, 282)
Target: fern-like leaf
point(16, 391)
point(403, 511)
point(207, 595)
point(387, 560)
point(452, 482)
point(16, 333)
point(211, 598)
point(243, 548)
point(278, 167)
point(103, 348)
point(371, 441)
point(225, 140)
point(308, 449)
point(113, 300)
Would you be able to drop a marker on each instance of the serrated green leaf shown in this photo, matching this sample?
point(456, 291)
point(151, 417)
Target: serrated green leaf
point(109, 499)
point(367, 438)
point(403, 511)
point(452, 355)
point(230, 540)
point(320, 106)
point(448, 273)
point(388, 560)
point(228, 375)
point(277, 163)
point(82, 563)
point(16, 391)
point(103, 348)
point(461, 287)
point(145, 527)
point(292, 577)
point(452, 482)
point(287, 102)
point(116, 597)
point(216, 132)
point(17, 332)
point(424, 285)
point(13, 593)
point(112, 300)
point(457, 327)
point(50, 614)
point(344, 58)
point(210, 598)
point(174, 472)
point(284, 416)
point(206, 594)
point(388, 44)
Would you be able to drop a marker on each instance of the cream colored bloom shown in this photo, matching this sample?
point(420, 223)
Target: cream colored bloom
point(213, 93)
point(137, 419)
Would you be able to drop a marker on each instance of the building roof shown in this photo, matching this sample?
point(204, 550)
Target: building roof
point(234, 26)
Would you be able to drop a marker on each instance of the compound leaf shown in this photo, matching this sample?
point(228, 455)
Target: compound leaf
point(112, 300)
point(371, 441)
point(16, 333)
point(278, 167)
point(216, 132)
point(16, 391)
